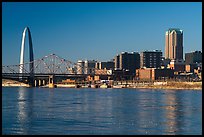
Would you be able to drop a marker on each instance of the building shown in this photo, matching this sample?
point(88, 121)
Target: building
point(165, 62)
point(117, 62)
point(177, 65)
point(193, 57)
point(127, 61)
point(198, 70)
point(103, 72)
point(80, 67)
point(104, 65)
point(190, 67)
point(174, 44)
point(89, 66)
point(68, 81)
point(154, 74)
point(121, 74)
point(151, 59)
point(144, 74)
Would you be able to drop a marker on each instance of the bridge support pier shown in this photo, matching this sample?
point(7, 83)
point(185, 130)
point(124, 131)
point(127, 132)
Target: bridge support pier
point(36, 83)
point(39, 83)
point(52, 81)
point(31, 82)
point(43, 81)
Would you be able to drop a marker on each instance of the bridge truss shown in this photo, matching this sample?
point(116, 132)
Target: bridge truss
point(50, 64)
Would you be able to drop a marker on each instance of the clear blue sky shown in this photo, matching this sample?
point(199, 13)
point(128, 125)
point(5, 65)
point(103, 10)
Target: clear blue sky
point(96, 30)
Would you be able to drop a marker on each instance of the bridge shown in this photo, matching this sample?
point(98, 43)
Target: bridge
point(46, 70)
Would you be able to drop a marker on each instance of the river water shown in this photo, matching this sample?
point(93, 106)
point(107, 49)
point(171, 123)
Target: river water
point(101, 111)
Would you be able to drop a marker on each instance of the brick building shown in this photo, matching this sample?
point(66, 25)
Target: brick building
point(154, 74)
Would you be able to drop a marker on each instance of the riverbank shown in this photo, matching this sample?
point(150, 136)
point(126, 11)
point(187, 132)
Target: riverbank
point(181, 85)
point(156, 85)
point(12, 83)
point(173, 85)
point(15, 85)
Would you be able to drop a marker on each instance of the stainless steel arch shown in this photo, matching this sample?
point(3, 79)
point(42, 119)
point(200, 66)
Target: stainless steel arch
point(30, 52)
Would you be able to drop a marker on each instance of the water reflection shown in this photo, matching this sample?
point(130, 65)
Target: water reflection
point(170, 104)
point(90, 110)
point(98, 111)
point(149, 116)
point(24, 103)
point(178, 112)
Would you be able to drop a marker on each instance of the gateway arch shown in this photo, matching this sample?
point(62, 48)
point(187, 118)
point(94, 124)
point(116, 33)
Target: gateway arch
point(31, 65)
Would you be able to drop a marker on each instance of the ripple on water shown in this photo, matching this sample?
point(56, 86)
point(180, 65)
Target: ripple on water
point(95, 111)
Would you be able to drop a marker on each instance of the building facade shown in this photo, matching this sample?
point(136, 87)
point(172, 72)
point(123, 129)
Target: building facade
point(193, 57)
point(154, 74)
point(174, 44)
point(127, 61)
point(165, 62)
point(190, 67)
point(151, 59)
point(80, 67)
point(105, 65)
point(117, 62)
point(89, 66)
point(177, 65)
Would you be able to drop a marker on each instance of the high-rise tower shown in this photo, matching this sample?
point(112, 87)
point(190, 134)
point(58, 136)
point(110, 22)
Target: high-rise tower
point(174, 44)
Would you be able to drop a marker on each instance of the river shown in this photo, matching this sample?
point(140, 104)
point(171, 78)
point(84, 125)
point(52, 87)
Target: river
point(70, 111)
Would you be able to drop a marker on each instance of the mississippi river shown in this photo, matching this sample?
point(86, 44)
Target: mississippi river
point(66, 111)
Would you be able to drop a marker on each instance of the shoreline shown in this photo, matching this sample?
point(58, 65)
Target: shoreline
point(15, 85)
point(171, 85)
point(133, 87)
point(169, 88)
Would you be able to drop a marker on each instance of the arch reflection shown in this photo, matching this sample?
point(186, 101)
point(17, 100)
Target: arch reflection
point(24, 107)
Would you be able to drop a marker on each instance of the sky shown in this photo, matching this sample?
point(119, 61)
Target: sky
point(96, 30)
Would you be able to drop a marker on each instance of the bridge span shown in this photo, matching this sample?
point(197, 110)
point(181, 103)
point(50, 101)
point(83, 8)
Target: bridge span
point(50, 68)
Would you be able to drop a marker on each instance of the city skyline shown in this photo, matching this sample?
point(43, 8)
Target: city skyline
point(78, 31)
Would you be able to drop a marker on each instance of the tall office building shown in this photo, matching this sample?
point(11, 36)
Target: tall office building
point(174, 44)
point(128, 61)
point(151, 59)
